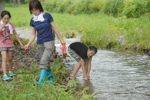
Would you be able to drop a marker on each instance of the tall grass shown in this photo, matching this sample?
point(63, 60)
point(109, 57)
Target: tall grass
point(129, 8)
point(74, 7)
point(20, 14)
point(97, 29)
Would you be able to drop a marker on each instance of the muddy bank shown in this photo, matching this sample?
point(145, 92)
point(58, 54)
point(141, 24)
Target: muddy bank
point(22, 59)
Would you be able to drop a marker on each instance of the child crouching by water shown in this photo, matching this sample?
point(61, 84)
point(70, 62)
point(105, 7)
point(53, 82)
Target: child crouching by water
point(83, 55)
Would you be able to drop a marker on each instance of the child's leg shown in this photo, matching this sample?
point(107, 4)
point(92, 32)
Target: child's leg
point(55, 53)
point(9, 59)
point(4, 61)
point(76, 68)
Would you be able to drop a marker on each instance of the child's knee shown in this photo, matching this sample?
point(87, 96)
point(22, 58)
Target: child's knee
point(9, 59)
point(4, 59)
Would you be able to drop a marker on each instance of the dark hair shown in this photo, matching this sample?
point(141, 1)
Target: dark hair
point(3, 13)
point(93, 48)
point(35, 4)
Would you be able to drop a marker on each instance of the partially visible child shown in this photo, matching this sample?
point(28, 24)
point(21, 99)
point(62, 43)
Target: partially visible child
point(6, 43)
point(54, 51)
point(83, 55)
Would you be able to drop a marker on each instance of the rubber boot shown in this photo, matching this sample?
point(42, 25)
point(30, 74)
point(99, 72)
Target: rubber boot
point(50, 77)
point(43, 74)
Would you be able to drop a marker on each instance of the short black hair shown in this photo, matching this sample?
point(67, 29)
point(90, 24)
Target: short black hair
point(35, 4)
point(3, 13)
point(93, 48)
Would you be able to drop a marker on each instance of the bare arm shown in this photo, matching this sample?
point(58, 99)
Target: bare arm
point(83, 69)
point(18, 38)
point(56, 31)
point(32, 38)
point(89, 67)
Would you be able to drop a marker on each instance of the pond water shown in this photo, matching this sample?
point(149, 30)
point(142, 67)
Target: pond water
point(114, 75)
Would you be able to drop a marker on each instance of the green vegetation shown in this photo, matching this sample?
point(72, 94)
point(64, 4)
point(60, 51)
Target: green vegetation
point(20, 14)
point(128, 8)
point(108, 24)
point(23, 86)
point(99, 29)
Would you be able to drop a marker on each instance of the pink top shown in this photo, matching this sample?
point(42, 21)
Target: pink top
point(6, 37)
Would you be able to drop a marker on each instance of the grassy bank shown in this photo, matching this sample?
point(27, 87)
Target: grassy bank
point(105, 32)
point(23, 86)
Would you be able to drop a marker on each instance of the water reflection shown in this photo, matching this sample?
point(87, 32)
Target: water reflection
point(89, 84)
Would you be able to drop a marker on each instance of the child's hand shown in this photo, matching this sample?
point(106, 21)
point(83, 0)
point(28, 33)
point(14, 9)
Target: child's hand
point(26, 47)
point(22, 46)
point(86, 78)
point(3, 25)
point(62, 42)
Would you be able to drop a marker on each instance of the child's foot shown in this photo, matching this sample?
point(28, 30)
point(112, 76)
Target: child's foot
point(6, 78)
point(11, 74)
point(55, 56)
point(70, 78)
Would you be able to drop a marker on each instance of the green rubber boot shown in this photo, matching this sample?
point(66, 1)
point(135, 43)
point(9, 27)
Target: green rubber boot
point(50, 77)
point(43, 74)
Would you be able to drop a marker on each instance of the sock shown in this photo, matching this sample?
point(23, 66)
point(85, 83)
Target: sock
point(10, 71)
point(5, 75)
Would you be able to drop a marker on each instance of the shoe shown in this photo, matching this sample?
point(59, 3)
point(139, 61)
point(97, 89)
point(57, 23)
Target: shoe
point(6, 78)
point(51, 61)
point(50, 77)
point(55, 56)
point(43, 74)
point(11, 74)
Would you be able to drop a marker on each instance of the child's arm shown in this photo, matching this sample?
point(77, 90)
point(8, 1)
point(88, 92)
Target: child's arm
point(18, 38)
point(89, 67)
point(83, 69)
point(33, 36)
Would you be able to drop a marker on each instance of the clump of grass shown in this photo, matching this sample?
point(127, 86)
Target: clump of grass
point(69, 34)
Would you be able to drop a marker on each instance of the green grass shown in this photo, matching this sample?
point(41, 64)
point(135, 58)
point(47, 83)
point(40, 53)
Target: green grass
point(23, 86)
point(105, 32)
point(20, 14)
